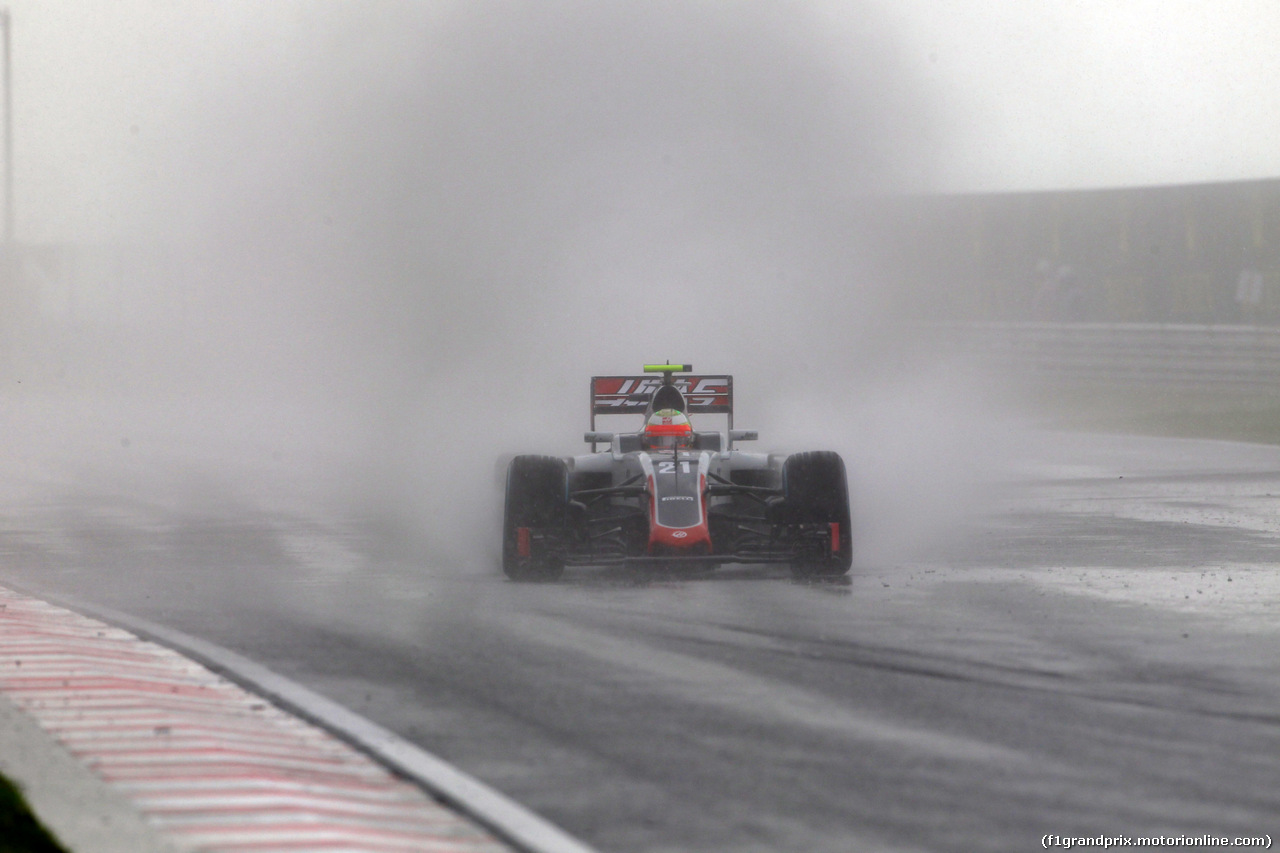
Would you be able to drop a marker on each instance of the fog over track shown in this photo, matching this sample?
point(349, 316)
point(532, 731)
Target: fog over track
point(414, 230)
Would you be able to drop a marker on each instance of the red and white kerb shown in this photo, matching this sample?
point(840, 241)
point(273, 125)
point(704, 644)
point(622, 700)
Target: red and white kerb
point(212, 767)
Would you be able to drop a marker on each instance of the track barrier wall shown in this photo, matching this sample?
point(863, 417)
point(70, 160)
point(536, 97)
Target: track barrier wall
point(1198, 357)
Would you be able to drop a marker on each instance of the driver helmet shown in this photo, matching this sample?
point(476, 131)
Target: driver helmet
point(667, 429)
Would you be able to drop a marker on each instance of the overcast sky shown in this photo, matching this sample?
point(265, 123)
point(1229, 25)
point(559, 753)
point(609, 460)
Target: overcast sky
point(1049, 93)
point(1020, 94)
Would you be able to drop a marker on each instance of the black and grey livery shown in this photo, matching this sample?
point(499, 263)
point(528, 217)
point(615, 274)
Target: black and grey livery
point(702, 504)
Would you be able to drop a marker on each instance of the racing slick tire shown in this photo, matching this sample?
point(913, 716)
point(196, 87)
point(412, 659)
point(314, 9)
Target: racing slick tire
point(817, 494)
point(535, 518)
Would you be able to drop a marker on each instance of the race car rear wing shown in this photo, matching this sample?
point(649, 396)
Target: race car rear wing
point(625, 395)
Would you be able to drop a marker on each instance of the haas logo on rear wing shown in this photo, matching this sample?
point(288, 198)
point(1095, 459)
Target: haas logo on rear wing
point(624, 395)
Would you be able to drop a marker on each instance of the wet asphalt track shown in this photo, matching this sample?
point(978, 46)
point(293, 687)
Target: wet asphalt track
point(1097, 653)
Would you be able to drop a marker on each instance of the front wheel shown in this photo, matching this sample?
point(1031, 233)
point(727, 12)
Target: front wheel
point(817, 502)
point(535, 518)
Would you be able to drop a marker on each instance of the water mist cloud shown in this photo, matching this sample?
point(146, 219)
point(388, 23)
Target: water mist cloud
point(612, 177)
point(441, 219)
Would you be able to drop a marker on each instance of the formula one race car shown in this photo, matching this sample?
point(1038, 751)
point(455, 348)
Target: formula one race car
point(671, 496)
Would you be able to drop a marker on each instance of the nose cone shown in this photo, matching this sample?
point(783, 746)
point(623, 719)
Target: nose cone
point(677, 505)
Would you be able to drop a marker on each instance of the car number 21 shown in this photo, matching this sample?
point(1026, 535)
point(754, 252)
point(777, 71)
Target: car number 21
point(669, 467)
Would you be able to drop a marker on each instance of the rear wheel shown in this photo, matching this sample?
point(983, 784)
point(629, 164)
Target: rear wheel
point(817, 503)
point(535, 518)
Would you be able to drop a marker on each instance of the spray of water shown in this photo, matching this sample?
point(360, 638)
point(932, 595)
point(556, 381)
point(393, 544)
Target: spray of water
point(399, 255)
